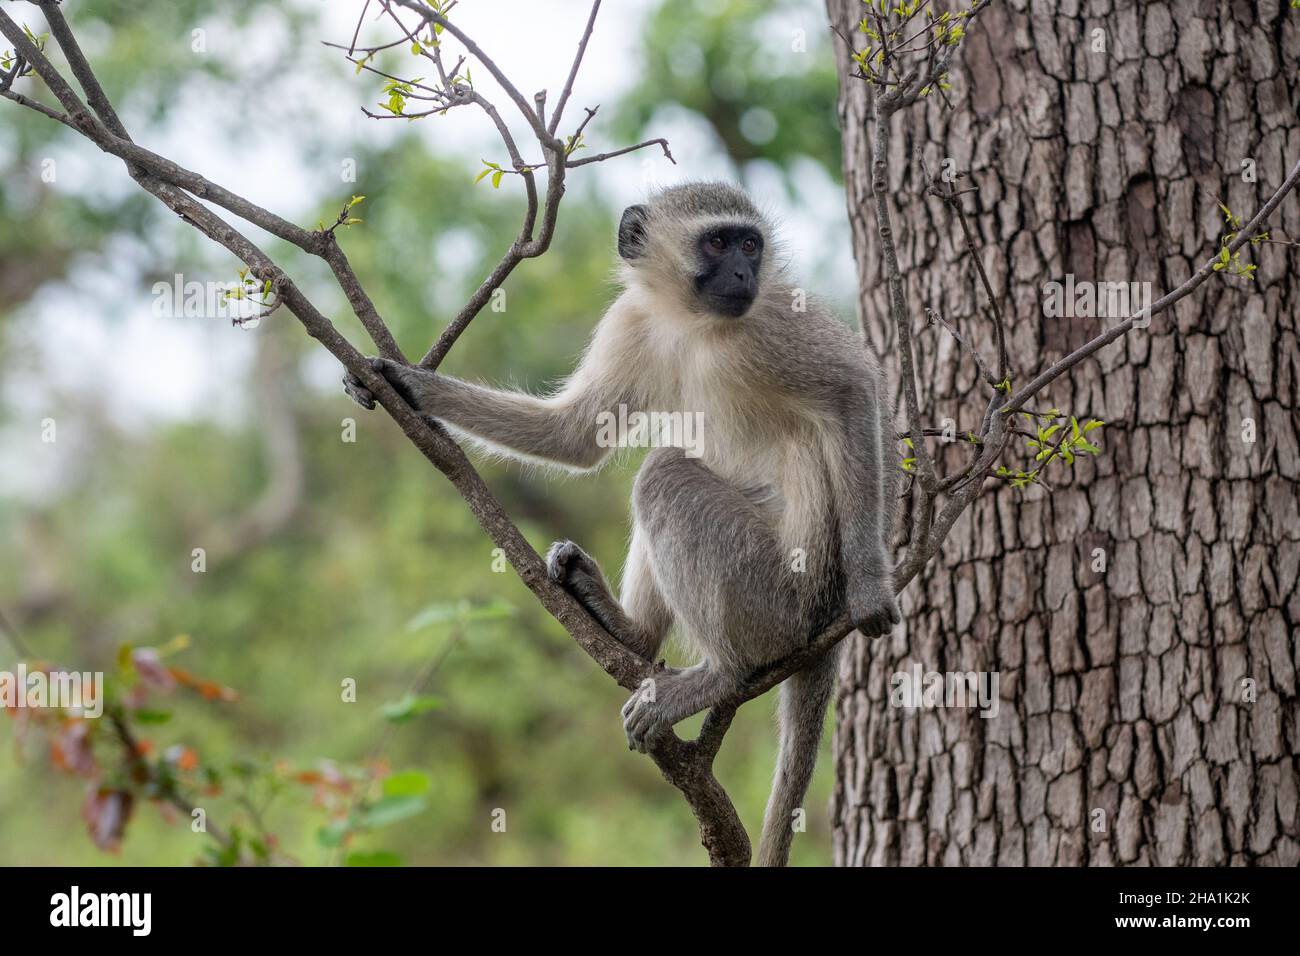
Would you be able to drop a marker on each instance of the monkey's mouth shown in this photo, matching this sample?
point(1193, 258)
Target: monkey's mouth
point(731, 306)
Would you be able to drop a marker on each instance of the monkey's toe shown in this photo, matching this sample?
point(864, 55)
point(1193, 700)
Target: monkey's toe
point(565, 559)
point(558, 557)
point(641, 720)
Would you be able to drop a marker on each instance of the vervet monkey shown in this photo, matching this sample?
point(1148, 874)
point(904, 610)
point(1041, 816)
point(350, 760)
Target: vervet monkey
point(778, 525)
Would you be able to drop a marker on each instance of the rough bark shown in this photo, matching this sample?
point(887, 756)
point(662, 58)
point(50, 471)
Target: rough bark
point(1120, 691)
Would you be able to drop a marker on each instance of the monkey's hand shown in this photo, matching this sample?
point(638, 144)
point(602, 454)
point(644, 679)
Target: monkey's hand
point(409, 381)
point(871, 606)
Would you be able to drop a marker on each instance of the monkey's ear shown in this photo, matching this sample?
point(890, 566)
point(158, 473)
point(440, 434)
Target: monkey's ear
point(631, 232)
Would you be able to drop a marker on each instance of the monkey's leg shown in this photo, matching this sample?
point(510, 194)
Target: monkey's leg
point(721, 570)
point(642, 620)
point(670, 696)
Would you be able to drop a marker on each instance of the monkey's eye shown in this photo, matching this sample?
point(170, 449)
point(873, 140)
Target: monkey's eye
point(717, 243)
point(749, 247)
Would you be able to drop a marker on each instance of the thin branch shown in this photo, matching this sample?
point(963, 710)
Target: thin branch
point(962, 346)
point(601, 157)
point(11, 634)
point(41, 108)
point(529, 114)
point(573, 71)
point(356, 33)
point(952, 198)
point(897, 297)
point(1059, 368)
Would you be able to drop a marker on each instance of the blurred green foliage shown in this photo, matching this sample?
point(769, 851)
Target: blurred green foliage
point(759, 72)
point(525, 722)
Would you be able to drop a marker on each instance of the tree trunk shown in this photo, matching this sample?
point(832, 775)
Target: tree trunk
point(1126, 691)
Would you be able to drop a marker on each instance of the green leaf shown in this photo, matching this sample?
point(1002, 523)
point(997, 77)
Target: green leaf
point(460, 612)
point(390, 810)
point(440, 613)
point(152, 716)
point(408, 783)
point(409, 706)
point(494, 610)
point(496, 178)
point(332, 835)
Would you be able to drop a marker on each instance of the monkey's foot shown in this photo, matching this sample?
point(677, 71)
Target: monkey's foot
point(566, 563)
point(578, 573)
point(574, 570)
point(662, 700)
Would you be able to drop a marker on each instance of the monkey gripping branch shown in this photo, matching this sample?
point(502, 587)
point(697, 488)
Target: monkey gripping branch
point(904, 63)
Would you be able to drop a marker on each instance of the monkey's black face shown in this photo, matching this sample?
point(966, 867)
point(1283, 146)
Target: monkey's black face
point(730, 256)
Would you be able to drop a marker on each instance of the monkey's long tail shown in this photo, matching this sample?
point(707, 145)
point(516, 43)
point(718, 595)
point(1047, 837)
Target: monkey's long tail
point(802, 709)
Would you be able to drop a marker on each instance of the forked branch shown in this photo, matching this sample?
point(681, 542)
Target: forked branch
point(687, 765)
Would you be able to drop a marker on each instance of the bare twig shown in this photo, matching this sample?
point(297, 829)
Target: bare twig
point(573, 73)
point(1057, 369)
point(952, 198)
point(962, 345)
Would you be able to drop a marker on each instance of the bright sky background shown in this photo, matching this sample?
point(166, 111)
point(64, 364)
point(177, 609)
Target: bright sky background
point(141, 368)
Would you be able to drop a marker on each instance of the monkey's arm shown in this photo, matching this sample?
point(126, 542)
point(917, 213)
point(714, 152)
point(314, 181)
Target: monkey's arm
point(865, 506)
point(561, 428)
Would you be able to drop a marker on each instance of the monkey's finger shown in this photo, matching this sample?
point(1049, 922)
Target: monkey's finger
point(358, 392)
